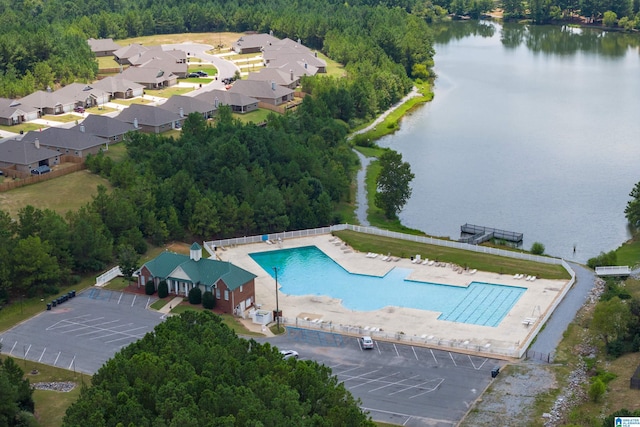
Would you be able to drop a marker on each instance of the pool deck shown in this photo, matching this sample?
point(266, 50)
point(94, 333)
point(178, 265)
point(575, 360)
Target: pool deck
point(407, 325)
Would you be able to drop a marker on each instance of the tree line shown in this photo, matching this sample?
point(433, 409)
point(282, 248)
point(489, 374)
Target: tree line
point(193, 370)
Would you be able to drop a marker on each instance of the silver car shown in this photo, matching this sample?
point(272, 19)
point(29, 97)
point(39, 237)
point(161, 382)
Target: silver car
point(366, 342)
point(288, 354)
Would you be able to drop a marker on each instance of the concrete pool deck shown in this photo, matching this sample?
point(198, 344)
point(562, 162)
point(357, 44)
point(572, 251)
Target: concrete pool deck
point(398, 323)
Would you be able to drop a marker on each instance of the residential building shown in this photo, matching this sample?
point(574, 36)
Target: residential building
point(269, 93)
point(150, 119)
point(23, 156)
point(238, 102)
point(103, 47)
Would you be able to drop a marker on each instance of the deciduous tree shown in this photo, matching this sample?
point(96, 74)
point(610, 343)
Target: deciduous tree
point(393, 184)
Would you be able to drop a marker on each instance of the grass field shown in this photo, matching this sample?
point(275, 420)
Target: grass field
point(170, 91)
point(62, 118)
point(63, 194)
point(225, 39)
point(256, 116)
point(128, 102)
point(484, 262)
point(25, 127)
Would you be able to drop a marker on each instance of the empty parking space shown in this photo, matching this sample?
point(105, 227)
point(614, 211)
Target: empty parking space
point(399, 383)
point(84, 332)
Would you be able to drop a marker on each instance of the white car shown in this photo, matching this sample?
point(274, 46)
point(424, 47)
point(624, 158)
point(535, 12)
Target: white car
point(288, 354)
point(366, 342)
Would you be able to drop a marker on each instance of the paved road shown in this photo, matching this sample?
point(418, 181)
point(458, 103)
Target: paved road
point(549, 338)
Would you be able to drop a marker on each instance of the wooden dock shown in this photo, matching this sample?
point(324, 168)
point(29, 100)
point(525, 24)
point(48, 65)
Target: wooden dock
point(614, 271)
point(477, 234)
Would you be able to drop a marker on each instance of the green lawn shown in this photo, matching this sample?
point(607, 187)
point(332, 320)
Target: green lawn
point(256, 116)
point(62, 118)
point(62, 194)
point(404, 249)
point(117, 152)
point(629, 253)
point(170, 91)
point(212, 71)
point(128, 102)
point(25, 127)
point(105, 62)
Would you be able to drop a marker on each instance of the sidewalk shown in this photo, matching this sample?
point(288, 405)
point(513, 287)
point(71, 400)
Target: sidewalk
point(173, 303)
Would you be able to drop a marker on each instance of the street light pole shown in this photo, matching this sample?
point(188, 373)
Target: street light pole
point(275, 270)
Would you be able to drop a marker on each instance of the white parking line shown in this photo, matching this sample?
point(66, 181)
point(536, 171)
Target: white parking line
point(374, 380)
point(117, 333)
point(56, 361)
point(70, 322)
point(414, 352)
point(355, 377)
point(429, 391)
point(134, 300)
point(72, 360)
point(106, 323)
point(148, 303)
point(396, 349)
point(120, 298)
point(392, 384)
point(474, 365)
point(45, 349)
point(451, 356)
point(26, 352)
point(434, 356)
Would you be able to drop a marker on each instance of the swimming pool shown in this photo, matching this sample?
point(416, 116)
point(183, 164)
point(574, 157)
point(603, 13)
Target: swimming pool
point(309, 271)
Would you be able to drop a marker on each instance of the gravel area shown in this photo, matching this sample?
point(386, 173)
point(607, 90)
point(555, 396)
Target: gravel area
point(55, 386)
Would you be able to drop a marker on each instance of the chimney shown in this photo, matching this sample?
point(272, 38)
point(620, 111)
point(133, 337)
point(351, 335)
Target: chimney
point(291, 74)
point(298, 40)
point(315, 53)
point(181, 112)
point(37, 143)
point(271, 32)
point(216, 102)
point(305, 65)
point(82, 128)
point(135, 123)
point(273, 85)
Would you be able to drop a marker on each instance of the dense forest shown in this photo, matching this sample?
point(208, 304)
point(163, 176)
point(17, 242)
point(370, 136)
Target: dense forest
point(194, 371)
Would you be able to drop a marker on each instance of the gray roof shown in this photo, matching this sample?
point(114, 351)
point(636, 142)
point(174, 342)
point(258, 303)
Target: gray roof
point(103, 126)
point(42, 99)
point(281, 58)
point(103, 45)
point(299, 68)
point(278, 75)
point(127, 52)
point(156, 52)
point(9, 107)
point(188, 105)
point(287, 45)
point(168, 64)
point(146, 75)
point(79, 92)
point(113, 84)
point(64, 138)
point(147, 115)
point(226, 98)
point(248, 41)
point(24, 152)
point(260, 89)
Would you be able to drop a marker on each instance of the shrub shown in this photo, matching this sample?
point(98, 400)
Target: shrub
point(597, 390)
point(195, 296)
point(163, 289)
point(610, 258)
point(208, 301)
point(150, 287)
point(537, 248)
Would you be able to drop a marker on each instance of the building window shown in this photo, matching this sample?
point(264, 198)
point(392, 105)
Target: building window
point(217, 293)
point(226, 295)
point(241, 286)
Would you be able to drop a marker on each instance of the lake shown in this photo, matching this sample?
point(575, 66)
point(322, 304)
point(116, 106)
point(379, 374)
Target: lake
point(534, 130)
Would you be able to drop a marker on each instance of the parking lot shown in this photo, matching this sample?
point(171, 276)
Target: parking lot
point(83, 332)
point(397, 383)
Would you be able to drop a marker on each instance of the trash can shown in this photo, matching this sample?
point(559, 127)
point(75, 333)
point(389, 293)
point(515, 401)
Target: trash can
point(69, 296)
point(48, 306)
point(73, 294)
point(54, 303)
point(495, 371)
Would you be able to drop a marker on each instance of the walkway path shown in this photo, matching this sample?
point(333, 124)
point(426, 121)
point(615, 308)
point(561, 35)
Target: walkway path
point(169, 306)
point(549, 338)
point(361, 188)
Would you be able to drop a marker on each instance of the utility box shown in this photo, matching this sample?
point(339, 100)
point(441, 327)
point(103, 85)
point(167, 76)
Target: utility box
point(495, 371)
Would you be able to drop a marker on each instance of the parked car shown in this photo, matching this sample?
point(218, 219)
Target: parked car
point(40, 170)
point(366, 343)
point(288, 354)
point(79, 109)
point(193, 75)
point(202, 74)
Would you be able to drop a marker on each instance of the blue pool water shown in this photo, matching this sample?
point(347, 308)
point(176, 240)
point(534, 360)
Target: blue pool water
point(309, 271)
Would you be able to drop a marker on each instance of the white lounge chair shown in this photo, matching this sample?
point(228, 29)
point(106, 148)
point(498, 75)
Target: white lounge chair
point(474, 271)
point(425, 262)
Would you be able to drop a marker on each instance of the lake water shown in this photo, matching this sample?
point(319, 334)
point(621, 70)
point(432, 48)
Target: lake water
point(534, 130)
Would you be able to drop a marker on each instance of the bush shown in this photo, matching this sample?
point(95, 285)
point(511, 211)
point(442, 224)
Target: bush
point(597, 390)
point(195, 296)
point(610, 258)
point(150, 287)
point(537, 248)
point(208, 301)
point(163, 289)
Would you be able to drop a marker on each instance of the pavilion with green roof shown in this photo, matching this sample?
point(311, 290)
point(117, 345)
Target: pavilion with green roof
point(232, 286)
